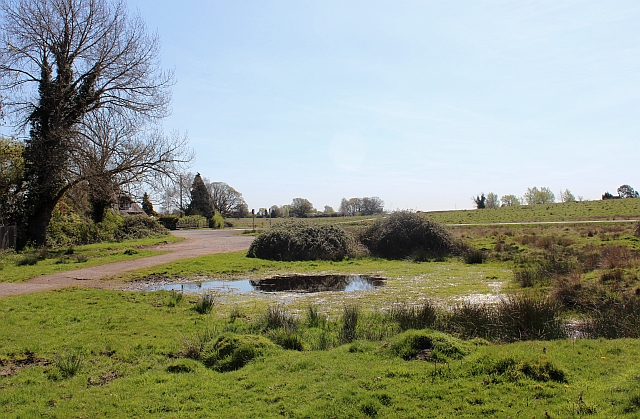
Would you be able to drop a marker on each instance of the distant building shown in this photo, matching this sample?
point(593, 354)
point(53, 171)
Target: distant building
point(127, 206)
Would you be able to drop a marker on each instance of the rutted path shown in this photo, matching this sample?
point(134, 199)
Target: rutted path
point(196, 243)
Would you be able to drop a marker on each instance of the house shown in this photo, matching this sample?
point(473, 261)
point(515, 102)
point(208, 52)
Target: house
point(127, 206)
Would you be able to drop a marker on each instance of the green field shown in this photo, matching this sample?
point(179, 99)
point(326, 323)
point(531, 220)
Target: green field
point(614, 209)
point(90, 353)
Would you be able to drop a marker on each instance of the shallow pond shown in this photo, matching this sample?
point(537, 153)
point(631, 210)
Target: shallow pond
point(294, 283)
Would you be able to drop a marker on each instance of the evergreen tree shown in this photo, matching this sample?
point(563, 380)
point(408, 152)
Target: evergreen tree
point(200, 199)
point(147, 206)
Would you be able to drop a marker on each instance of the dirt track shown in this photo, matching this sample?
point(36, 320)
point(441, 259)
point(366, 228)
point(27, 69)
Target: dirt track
point(196, 243)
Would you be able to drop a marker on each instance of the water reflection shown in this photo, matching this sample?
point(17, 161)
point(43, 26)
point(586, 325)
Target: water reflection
point(295, 283)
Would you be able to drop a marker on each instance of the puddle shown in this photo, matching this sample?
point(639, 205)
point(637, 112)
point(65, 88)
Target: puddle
point(297, 283)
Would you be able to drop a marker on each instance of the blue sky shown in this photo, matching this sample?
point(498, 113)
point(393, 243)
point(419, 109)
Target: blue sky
point(422, 103)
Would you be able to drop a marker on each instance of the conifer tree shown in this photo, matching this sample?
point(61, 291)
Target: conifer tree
point(147, 206)
point(200, 199)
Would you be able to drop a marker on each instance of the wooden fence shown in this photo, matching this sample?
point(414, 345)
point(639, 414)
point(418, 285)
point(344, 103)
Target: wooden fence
point(8, 237)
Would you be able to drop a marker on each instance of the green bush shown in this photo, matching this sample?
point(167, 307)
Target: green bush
point(138, 227)
point(217, 221)
point(192, 221)
point(405, 234)
point(299, 240)
point(68, 229)
point(169, 222)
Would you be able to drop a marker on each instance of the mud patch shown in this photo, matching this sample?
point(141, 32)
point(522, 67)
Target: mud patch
point(11, 366)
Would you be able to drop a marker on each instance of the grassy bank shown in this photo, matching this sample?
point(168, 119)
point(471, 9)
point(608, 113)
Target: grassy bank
point(18, 267)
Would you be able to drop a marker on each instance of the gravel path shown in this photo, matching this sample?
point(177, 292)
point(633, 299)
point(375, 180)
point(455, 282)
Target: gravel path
point(196, 243)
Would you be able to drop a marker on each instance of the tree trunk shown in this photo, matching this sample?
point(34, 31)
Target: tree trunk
point(37, 223)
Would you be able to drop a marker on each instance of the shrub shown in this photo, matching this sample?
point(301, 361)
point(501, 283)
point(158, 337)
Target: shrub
point(217, 221)
point(299, 240)
point(30, 259)
point(192, 221)
point(404, 234)
point(169, 222)
point(140, 226)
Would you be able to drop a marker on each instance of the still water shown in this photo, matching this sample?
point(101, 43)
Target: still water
point(295, 283)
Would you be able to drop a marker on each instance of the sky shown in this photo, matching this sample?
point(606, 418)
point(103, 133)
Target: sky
point(424, 104)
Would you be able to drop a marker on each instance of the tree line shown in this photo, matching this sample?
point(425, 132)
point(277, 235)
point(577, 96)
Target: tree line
point(544, 195)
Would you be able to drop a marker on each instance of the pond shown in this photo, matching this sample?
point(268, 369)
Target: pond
point(290, 283)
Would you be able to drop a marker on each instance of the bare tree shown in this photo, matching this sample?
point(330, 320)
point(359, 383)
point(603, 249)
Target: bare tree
point(226, 200)
point(111, 154)
point(492, 200)
point(61, 61)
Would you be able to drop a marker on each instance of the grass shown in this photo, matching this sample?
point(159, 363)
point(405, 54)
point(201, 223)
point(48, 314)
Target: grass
point(615, 209)
point(131, 366)
point(345, 355)
point(23, 266)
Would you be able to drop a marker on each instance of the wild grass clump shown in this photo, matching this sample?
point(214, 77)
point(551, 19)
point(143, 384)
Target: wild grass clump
point(414, 316)
point(619, 320)
point(204, 304)
point(299, 240)
point(313, 317)
point(515, 318)
point(277, 317)
point(349, 323)
point(174, 299)
point(469, 320)
point(69, 363)
point(405, 234)
point(287, 339)
point(30, 260)
point(523, 317)
point(472, 256)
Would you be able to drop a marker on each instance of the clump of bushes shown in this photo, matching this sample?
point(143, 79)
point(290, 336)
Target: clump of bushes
point(68, 229)
point(138, 227)
point(406, 234)
point(299, 240)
